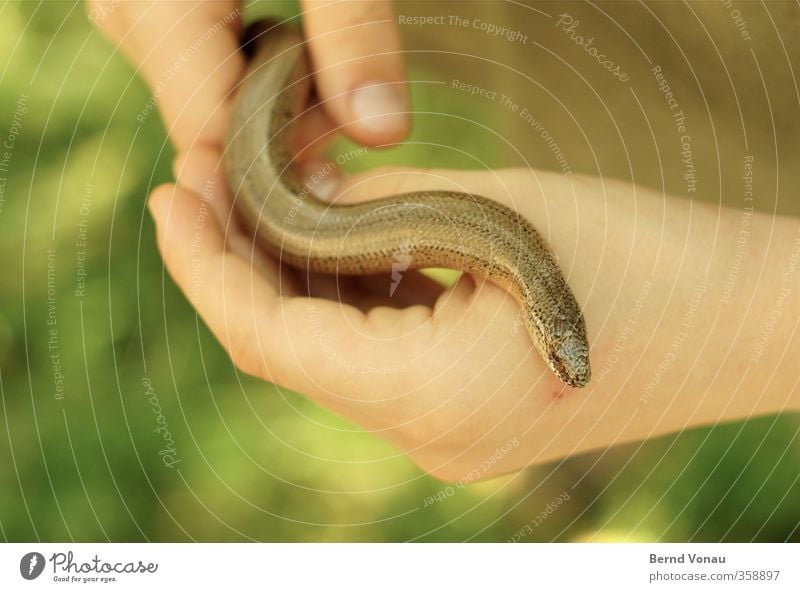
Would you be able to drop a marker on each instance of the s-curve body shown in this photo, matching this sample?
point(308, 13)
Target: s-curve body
point(430, 228)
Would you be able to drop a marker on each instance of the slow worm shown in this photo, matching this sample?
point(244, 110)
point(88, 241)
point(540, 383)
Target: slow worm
point(428, 228)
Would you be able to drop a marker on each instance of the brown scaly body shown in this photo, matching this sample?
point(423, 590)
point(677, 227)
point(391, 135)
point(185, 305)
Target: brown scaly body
point(434, 228)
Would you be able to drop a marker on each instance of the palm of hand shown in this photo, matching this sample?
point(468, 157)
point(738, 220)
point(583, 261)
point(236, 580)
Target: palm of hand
point(447, 374)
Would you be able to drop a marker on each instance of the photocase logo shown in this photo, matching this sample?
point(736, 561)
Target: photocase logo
point(402, 259)
point(31, 565)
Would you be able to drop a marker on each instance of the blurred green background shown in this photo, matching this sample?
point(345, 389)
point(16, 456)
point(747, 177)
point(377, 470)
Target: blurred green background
point(256, 463)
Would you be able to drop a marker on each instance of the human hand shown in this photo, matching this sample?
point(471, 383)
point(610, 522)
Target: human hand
point(450, 375)
point(391, 353)
point(189, 54)
point(194, 98)
point(452, 378)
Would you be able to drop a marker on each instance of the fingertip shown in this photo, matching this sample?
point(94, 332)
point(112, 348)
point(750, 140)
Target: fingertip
point(379, 112)
point(357, 56)
point(322, 178)
point(373, 112)
point(159, 197)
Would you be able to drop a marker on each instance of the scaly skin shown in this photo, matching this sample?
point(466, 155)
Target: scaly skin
point(435, 228)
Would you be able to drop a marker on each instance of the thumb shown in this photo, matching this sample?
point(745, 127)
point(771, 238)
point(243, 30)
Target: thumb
point(355, 50)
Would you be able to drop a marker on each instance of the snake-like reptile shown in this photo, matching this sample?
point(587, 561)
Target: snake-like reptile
point(430, 228)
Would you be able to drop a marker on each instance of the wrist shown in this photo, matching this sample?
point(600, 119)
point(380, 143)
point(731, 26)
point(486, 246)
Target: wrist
point(674, 309)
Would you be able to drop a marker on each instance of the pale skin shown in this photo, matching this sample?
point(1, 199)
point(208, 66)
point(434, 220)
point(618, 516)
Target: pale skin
point(447, 374)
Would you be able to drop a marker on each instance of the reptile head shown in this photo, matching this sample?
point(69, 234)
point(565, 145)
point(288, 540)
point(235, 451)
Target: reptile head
point(569, 359)
point(565, 349)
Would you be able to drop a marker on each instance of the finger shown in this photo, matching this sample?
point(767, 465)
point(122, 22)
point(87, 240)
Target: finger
point(188, 52)
point(410, 288)
point(239, 306)
point(192, 242)
point(356, 52)
point(284, 340)
point(200, 170)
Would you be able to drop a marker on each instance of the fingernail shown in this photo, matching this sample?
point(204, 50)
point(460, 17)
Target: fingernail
point(325, 188)
point(380, 107)
point(322, 179)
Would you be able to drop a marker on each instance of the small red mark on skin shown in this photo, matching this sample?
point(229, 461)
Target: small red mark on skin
point(560, 391)
point(557, 389)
